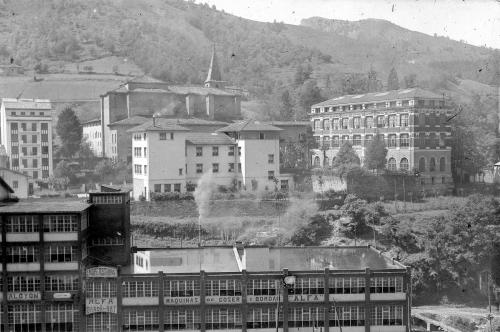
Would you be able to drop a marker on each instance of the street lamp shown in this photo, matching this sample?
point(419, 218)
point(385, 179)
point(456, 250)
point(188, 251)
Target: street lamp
point(287, 282)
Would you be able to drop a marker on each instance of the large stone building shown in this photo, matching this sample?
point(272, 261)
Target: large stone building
point(171, 155)
point(412, 122)
point(92, 134)
point(147, 97)
point(26, 134)
point(69, 266)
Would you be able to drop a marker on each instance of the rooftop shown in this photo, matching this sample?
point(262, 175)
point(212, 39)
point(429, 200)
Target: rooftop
point(30, 104)
point(379, 96)
point(288, 123)
point(43, 206)
point(209, 138)
point(132, 121)
point(96, 120)
point(160, 124)
point(249, 125)
point(192, 260)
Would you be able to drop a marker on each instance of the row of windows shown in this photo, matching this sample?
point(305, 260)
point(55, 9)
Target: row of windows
point(140, 289)
point(107, 199)
point(140, 136)
point(138, 169)
point(52, 253)
point(167, 187)
point(31, 113)
point(100, 289)
point(432, 164)
point(33, 164)
point(25, 140)
point(107, 241)
point(25, 125)
point(138, 152)
point(53, 283)
point(392, 140)
point(34, 152)
point(215, 151)
point(383, 104)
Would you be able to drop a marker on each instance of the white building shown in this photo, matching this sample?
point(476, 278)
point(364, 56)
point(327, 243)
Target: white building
point(26, 133)
point(92, 133)
point(169, 157)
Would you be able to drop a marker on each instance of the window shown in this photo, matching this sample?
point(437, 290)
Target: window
point(177, 187)
point(60, 223)
point(215, 168)
point(369, 121)
point(421, 164)
point(24, 138)
point(61, 317)
point(391, 284)
point(356, 140)
point(239, 150)
point(15, 184)
point(308, 286)
point(432, 165)
point(270, 158)
point(231, 151)
point(33, 127)
point(317, 162)
point(284, 184)
point(223, 287)
point(239, 167)
point(223, 319)
point(145, 152)
point(345, 139)
point(61, 283)
point(231, 168)
point(392, 120)
point(270, 175)
point(140, 288)
point(258, 318)
point(45, 150)
point(262, 136)
point(326, 124)
point(33, 138)
point(335, 141)
point(347, 316)
point(368, 139)
point(22, 224)
point(182, 319)
point(404, 140)
point(23, 283)
point(326, 141)
point(102, 321)
point(347, 285)
point(335, 124)
point(392, 143)
point(442, 164)
point(100, 289)
point(357, 122)
point(306, 317)
point(157, 188)
point(107, 199)
point(345, 123)
point(404, 165)
point(23, 126)
point(199, 168)
point(386, 315)
point(391, 164)
point(137, 152)
point(24, 317)
point(199, 151)
point(167, 187)
point(180, 171)
point(380, 121)
point(145, 169)
point(163, 136)
point(23, 254)
point(181, 288)
point(137, 169)
point(58, 253)
point(404, 120)
point(317, 124)
point(215, 151)
point(140, 320)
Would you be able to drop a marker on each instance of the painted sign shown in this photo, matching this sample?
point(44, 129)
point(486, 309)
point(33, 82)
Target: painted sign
point(62, 296)
point(307, 298)
point(182, 300)
point(24, 296)
point(100, 304)
point(222, 299)
point(264, 298)
point(102, 272)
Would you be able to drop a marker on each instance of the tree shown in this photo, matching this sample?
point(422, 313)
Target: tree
point(62, 170)
point(104, 170)
point(86, 156)
point(354, 209)
point(410, 81)
point(309, 94)
point(375, 154)
point(317, 230)
point(354, 83)
point(286, 106)
point(70, 132)
point(393, 80)
point(373, 83)
point(345, 159)
point(302, 74)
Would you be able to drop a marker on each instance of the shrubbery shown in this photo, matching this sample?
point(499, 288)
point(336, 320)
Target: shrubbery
point(172, 196)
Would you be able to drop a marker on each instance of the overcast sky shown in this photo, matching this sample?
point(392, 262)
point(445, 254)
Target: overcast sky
point(475, 21)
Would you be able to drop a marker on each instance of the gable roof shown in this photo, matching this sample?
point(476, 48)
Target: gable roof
point(379, 96)
point(249, 125)
point(6, 186)
point(4, 169)
point(209, 139)
point(160, 124)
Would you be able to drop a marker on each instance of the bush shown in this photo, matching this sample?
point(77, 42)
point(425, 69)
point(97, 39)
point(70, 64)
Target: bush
point(317, 230)
point(173, 196)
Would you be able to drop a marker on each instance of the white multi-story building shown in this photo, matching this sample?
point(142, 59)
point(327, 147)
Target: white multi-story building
point(92, 133)
point(169, 157)
point(26, 133)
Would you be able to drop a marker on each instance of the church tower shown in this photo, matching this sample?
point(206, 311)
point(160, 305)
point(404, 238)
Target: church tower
point(214, 78)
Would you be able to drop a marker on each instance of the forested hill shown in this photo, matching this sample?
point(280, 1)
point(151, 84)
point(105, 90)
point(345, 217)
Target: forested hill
point(170, 40)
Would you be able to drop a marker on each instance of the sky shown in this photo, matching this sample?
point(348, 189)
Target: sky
point(475, 21)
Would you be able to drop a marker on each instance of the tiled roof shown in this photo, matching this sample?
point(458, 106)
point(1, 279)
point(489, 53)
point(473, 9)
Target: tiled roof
point(379, 96)
point(209, 138)
point(159, 125)
point(29, 104)
point(288, 123)
point(92, 121)
point(42, 206)
point(249, 125)
point(144, 79)
point(132, 121)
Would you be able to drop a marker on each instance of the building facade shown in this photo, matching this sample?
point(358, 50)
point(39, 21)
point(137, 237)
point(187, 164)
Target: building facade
point(412, 122)
point(92, 133)
point(172, 156)
point(26, 134)
point(19, 182)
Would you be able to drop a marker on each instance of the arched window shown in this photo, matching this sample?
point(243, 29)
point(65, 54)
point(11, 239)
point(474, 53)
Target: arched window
point(432, 165)
point(391, 164)
point(326, 162)
point(317, 162)
point(421, 164)
point(442, 164)
point(403, 164)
